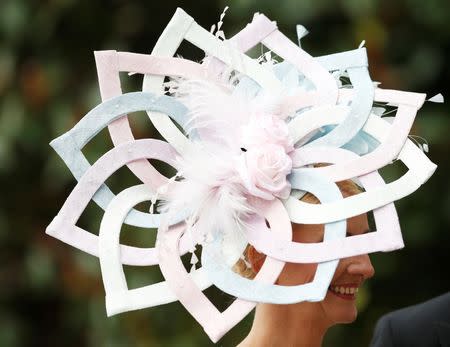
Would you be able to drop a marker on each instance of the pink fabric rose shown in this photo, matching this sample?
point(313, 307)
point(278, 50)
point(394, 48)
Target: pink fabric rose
point(263, 171)
point(263, 128)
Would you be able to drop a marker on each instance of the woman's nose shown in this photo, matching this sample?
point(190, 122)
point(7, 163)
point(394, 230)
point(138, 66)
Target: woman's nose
point(361, 265)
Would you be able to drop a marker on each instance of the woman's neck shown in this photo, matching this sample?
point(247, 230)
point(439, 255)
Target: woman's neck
point(287, 325)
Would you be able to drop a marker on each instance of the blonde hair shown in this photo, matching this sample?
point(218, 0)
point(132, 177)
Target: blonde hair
point(243, 266)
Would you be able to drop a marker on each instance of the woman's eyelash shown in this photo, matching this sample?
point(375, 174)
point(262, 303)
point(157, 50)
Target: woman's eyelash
point(347, 234)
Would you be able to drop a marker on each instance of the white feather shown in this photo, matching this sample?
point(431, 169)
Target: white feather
point(216, 112)
point(211, 188)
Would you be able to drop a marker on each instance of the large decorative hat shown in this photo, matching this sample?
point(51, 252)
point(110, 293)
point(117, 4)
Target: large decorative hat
point(243, 135)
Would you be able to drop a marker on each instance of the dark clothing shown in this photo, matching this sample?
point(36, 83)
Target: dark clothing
point(423, 325)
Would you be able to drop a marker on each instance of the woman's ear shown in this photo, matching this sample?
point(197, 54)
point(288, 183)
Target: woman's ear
point(255, 258)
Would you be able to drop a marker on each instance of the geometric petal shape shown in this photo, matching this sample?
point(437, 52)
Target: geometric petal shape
point(69, 145)
point(111, 63)
point(63, 225)
point(276, 41)
point(183, 27)
point(420, 168)
point(253, 33)
point(387, 237)
point(391, 137)
point(361, 104)
point(355, 62)
point(215, 323)
point(325, 85)
point(118, 297)
point(224, 278)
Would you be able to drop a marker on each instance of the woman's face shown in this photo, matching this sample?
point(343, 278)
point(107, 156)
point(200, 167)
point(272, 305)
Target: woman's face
point(339, 305)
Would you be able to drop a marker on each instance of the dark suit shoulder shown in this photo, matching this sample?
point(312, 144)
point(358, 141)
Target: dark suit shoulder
point(436, 309)
point(417, 325)
point(383, 334)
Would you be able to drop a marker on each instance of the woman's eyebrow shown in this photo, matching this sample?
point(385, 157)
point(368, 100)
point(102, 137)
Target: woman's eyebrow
point(353, 234)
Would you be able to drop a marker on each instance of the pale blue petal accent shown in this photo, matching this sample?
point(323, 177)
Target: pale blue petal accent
point(225, 279)
point(69, 145)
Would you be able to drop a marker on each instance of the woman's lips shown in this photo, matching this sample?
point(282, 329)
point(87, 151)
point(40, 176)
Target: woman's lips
point(344, 291)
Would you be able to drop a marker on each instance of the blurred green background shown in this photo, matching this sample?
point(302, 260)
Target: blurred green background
point(52, 294)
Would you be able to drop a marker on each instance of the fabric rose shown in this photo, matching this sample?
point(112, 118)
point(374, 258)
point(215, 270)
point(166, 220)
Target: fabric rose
point(263, 128)
point(263, 170)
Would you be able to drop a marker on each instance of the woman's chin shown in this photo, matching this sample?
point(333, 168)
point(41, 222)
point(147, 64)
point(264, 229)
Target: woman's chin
point(343, 316)
point(350, 317)
point(340, 310)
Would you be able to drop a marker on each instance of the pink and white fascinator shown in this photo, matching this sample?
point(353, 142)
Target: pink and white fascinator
point(243, 135)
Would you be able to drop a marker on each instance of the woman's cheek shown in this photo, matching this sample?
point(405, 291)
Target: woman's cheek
point(295, 274)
